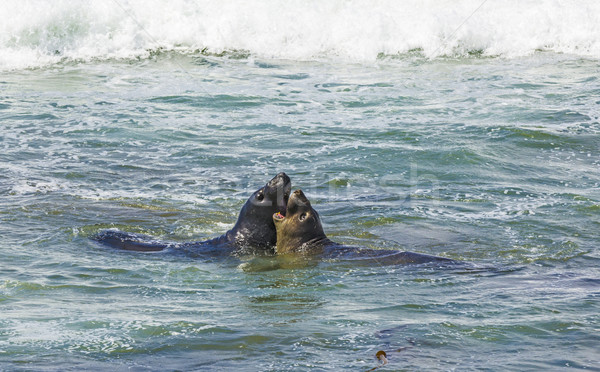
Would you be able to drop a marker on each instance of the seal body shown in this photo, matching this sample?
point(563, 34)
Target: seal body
point(254, 231)
point(300, 231)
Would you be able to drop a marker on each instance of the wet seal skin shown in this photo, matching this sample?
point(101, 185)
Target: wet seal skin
point(300, 232)
point(253, 233)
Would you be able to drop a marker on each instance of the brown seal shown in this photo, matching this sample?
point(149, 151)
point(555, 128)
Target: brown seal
point(299, 231)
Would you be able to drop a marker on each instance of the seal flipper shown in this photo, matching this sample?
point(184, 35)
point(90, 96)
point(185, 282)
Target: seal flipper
point(130, 241)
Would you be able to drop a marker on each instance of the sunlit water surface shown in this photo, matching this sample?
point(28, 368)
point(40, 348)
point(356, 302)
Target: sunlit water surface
point(491, 161)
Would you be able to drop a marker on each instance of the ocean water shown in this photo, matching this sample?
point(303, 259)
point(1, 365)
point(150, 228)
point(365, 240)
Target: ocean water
point(468, 130)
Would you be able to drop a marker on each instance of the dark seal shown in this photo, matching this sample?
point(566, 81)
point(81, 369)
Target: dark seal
point(254, 232)
point(299, 231)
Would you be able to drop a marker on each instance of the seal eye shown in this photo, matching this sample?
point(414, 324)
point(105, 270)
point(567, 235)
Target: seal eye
point(260, 196)
point(302, 217)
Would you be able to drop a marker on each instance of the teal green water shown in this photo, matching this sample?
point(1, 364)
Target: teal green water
point(487, 160)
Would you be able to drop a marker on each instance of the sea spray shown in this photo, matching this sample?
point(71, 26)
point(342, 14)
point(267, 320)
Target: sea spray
point(36, 33)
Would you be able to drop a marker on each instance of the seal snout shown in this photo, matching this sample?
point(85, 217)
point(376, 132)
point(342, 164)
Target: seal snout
point(299, 198)
point(284, 177)
point(280, 180)
point(279, 189)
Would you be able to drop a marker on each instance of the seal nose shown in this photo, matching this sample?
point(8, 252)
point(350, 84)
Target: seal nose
point(281, 179)
point(300, 197)
point(284, 178)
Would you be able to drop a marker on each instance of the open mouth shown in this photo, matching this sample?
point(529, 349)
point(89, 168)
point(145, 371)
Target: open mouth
point(280, 215)
point(286, 198)
point(282, 203)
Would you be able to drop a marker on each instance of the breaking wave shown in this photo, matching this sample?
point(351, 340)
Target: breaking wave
point(36, 33)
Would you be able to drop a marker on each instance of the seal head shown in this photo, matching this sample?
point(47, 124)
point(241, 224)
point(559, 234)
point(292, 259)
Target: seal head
point(255, 227)
point(299, 230)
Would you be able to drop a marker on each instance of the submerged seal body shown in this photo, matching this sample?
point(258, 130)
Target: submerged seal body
point(253, 232)
point(300, 231)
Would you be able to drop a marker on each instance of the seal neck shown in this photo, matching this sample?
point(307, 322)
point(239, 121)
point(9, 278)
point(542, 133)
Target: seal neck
point(243, 237)
point(314, 246)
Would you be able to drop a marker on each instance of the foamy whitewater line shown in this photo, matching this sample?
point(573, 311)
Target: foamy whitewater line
point(38, 32)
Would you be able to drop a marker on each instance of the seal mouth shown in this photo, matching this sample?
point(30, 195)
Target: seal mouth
point(279, 190)
point(292, 201)
point(283, 206)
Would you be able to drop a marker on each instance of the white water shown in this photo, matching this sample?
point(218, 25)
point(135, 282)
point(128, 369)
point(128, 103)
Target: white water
point(39, 33)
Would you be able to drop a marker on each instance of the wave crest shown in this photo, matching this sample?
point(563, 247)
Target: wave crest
point(35, 33)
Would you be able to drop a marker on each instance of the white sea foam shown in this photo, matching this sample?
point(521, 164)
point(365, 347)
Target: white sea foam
point(36, 33)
